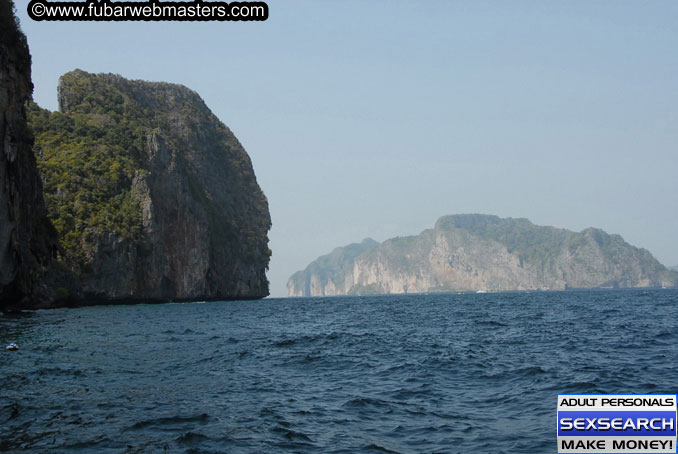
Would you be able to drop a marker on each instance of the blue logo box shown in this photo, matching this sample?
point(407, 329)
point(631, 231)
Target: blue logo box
point(617, 423)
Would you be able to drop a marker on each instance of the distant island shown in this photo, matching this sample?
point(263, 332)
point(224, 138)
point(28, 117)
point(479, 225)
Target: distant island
point(473, 252)
point(133, 191)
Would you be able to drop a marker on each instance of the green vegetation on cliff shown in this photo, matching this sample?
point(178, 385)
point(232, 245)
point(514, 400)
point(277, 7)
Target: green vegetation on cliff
point(531, 243)
point(88, 155)
point(152, 196)
point(88, 163)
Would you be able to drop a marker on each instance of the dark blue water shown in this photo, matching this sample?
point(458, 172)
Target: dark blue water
point(472, 373)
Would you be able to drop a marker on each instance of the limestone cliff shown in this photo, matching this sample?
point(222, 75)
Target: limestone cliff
point(153, 197)
point(27, 240)
point(326, 275)
point(478, 252)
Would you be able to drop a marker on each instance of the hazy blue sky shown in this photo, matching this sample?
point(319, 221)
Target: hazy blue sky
point(374, 118)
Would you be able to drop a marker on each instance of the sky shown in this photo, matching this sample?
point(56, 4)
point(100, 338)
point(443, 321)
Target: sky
point(375, 118)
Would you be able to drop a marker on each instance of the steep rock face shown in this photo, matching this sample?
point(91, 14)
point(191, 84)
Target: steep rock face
point(154, 198)
point(327, 275)
point(27, 240)
point(476, 252)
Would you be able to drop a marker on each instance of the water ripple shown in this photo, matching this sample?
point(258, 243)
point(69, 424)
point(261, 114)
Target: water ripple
point(391, 374)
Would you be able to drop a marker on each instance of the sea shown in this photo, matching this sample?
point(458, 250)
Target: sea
point(438, 373)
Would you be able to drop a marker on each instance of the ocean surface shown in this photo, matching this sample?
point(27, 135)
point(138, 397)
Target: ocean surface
point(445, 373)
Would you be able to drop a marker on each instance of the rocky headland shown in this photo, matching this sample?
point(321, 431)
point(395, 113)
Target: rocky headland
point(153, 197)
point(132, 191)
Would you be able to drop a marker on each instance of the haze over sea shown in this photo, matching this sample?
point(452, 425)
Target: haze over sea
point(470, 373)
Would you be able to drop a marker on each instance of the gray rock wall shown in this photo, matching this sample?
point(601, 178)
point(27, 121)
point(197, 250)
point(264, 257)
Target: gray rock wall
point(205, 219)
point(475, 252)
point(27, 240)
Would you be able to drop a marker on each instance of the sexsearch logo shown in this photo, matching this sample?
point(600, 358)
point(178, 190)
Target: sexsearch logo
point(608, 423)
